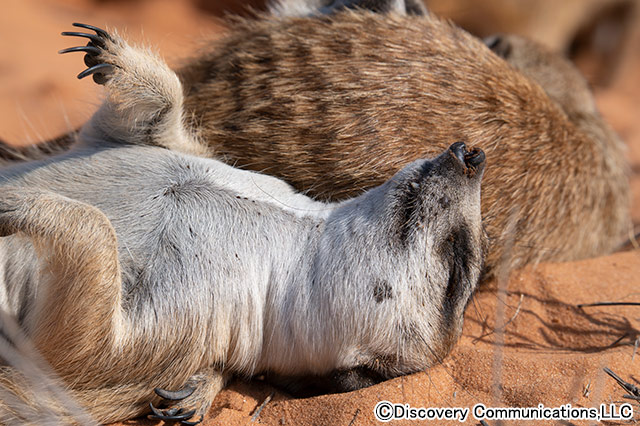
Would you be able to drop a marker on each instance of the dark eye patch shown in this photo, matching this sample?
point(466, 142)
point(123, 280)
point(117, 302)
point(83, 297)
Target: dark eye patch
point(458, 250)
point(409, 201)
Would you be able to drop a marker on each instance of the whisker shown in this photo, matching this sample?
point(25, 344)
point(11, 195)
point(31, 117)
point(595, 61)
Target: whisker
point(328, 208)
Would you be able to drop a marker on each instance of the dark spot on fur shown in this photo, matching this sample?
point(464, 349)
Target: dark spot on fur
point(267, 57)
point(188, 189)
point(172, 190)
point(236, 80)
point(445, 84)
point(316, 84)
point(231, 127)
point(499, 45)
point(342, 45)
point(382, 291)
point(444, 202)
point(152, 124)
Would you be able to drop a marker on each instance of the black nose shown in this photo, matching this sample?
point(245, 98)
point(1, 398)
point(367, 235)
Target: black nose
point(470, 159)
point(474, 158)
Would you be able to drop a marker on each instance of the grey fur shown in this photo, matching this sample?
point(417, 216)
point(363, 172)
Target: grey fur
point(271, 279)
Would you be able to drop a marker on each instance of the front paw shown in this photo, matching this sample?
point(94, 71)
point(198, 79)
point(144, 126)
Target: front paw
point(179, 406)
point(95, 58)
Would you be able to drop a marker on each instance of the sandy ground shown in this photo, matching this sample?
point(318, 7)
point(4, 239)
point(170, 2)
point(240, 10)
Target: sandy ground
point(525, 340)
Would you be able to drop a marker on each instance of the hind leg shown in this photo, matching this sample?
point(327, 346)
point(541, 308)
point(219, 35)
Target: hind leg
point(77, 322)
point(78, 304)
point(143, 95)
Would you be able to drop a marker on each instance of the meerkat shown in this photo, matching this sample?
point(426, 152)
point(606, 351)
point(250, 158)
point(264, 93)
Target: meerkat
point(177, 271)
point(335, 104)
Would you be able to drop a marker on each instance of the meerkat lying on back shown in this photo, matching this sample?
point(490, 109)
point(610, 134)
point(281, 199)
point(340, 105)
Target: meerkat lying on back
point(335, 105)
point(133, 267)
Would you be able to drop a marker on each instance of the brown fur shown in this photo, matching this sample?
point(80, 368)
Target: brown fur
point(337, 105)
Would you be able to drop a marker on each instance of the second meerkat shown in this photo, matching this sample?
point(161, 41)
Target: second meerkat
point(335, 104)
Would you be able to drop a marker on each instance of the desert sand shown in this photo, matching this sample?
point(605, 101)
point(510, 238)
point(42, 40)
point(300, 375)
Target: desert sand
point(525, 342)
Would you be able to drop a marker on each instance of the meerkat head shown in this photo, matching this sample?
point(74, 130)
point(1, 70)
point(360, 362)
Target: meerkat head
point(434, 218)
point(560, 79)
point(406, 256)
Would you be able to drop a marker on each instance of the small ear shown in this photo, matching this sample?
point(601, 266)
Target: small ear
point(599, 44)
point(499, 45)
point(415, 7)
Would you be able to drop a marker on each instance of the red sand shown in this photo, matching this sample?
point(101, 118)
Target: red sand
point(551, 352)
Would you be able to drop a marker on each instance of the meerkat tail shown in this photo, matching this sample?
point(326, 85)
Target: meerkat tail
point(38, 151)
point(11, 154)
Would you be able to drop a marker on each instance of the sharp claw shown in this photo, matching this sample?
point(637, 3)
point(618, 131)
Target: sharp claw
point(94, 69)
point(88, 49)
point(188, 423)
point(175, 395)
point(94, 38)
point(98, 31)
point(157, 414)
point(184, 415)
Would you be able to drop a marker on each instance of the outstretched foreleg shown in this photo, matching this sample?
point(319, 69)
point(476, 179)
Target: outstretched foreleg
point(143, 95)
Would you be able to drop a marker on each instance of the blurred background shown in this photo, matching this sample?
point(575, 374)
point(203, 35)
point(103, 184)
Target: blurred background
point(40, 96)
